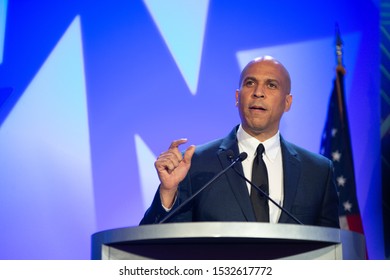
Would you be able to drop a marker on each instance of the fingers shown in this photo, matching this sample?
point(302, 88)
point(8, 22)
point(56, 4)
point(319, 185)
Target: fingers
point(172, 166)
point(173, 154)
point(171, 159)
point(168, 161)
point(177, 143)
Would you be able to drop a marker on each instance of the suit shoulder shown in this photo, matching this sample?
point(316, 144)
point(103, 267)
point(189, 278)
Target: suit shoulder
point(211, 146)
point(305, 154)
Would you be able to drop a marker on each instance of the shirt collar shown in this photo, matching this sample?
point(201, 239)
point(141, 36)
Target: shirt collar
point(249, 144)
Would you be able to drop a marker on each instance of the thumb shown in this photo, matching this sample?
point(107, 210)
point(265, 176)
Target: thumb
point(188, 154)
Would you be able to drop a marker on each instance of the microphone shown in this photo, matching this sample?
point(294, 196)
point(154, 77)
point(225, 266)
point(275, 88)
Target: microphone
point(240, 158)
point(230, 155)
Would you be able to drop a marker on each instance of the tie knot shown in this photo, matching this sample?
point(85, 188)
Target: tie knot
point(260, 150)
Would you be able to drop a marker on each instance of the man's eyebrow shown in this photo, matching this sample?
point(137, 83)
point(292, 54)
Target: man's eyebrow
point(272, 80)
point(242, 81)
point(249, 78)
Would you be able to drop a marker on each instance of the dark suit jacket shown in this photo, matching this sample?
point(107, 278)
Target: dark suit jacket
point(309, 188)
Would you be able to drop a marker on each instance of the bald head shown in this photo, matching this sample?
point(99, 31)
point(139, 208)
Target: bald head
point(268, 60)
point(263, 97)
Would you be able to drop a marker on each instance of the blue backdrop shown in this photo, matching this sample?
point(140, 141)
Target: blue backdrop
point(100, 88)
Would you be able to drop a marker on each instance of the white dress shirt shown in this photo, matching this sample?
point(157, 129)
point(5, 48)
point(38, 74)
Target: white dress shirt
point(273, 160)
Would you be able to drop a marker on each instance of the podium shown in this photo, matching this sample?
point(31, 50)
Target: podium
point(227, 241)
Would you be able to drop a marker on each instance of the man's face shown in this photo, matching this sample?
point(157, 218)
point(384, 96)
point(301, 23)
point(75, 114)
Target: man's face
point(263, 97)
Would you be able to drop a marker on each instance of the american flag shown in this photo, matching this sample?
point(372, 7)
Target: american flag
point(336, 145)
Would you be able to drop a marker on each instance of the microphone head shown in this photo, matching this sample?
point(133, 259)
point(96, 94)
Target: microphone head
point(242, 156)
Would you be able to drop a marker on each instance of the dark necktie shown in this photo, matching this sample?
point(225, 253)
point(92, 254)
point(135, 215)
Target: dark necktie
point(260, 179)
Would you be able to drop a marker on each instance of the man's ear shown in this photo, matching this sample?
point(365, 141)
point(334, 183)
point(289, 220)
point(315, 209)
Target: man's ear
point(289, 99)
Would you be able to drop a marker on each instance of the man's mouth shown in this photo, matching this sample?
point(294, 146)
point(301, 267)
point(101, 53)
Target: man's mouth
point(257, 108)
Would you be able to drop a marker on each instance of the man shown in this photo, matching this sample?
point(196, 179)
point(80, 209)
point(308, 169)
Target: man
point(300, 181)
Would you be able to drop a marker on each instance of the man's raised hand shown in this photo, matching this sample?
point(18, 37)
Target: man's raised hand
point(171, 168)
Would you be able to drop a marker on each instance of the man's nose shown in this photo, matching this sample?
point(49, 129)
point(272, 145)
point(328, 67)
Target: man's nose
point(259, 92)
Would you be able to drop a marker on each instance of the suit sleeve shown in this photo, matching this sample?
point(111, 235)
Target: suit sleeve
point(329, 216)
point(156, 211)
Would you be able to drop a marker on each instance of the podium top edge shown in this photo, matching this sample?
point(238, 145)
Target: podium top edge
point(220, 230)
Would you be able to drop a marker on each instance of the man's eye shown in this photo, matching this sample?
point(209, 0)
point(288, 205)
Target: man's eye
point(249, 83)
point(272, 85)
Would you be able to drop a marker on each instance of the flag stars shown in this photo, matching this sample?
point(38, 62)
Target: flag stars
point(336, 156)
point(341, 180)
point(347, 206)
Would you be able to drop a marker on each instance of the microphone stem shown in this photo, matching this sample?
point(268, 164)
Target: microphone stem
point(268, 197)
point(174, 211)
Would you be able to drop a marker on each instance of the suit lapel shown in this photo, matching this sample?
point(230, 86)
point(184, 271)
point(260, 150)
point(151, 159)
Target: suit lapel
point(291, 170)
point(236, 183)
